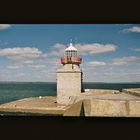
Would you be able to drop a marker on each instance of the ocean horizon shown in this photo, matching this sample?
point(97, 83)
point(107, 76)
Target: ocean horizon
point(14, 90)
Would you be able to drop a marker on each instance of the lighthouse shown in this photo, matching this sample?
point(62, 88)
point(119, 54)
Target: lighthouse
point(69, 78)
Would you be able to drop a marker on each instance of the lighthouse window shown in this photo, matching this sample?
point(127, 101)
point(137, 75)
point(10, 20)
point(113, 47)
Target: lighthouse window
point(68, 53)
point(72, 53)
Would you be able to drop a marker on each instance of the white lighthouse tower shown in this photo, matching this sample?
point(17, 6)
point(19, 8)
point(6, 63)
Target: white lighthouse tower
point(69, 78)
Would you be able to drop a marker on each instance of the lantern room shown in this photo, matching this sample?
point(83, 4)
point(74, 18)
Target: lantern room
point(71, 56)
point(71, 51)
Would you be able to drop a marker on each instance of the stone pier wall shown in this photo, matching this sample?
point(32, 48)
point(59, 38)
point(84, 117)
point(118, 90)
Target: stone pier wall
point(133, 91)
point(112, 108)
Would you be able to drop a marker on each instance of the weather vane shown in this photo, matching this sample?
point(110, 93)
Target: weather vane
point(70, 40)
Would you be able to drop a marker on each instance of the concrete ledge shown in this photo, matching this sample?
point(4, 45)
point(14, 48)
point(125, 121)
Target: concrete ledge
point(34, 111)
point(134, 108)
point(74, 110)
point(44, 105)
point(112, 108)
point(133, 91)
point(101, 91)
point(98, 107)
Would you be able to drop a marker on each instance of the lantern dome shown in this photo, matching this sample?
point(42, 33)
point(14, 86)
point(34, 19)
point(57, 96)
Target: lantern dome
point(71, 48)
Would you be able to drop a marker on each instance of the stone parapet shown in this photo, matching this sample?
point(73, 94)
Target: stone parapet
point(133, 91)
point(112, 108)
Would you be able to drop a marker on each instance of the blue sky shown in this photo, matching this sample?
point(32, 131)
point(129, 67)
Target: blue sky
point(31, 52)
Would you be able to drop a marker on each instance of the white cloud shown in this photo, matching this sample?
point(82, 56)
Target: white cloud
point(96, 48)
point(30, 57)
point(48, 72)
point(37, 66)
point(57, 50)
point(20, 54)
point(19, 51)
point(137, 49)
point(96, 63)
point(84, 49)
point(13, 67)
point(122, 74)
point(59, 46)
point(28, 62)
point(44, 55)
point(133, 29)
point(4, 26)
point(26, 66)
point(125, 60)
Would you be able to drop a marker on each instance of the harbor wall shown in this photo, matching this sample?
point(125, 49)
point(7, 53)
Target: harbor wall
point(133, 91)
point(112, 108)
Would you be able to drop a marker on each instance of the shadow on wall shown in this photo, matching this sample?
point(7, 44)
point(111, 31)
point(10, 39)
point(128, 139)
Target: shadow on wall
point(82, 111)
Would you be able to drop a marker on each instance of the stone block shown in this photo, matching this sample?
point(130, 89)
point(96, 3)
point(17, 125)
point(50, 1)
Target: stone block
point(97, 107)
point(134, 108)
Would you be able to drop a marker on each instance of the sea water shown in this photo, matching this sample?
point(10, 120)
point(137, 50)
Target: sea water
point(10, 91)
